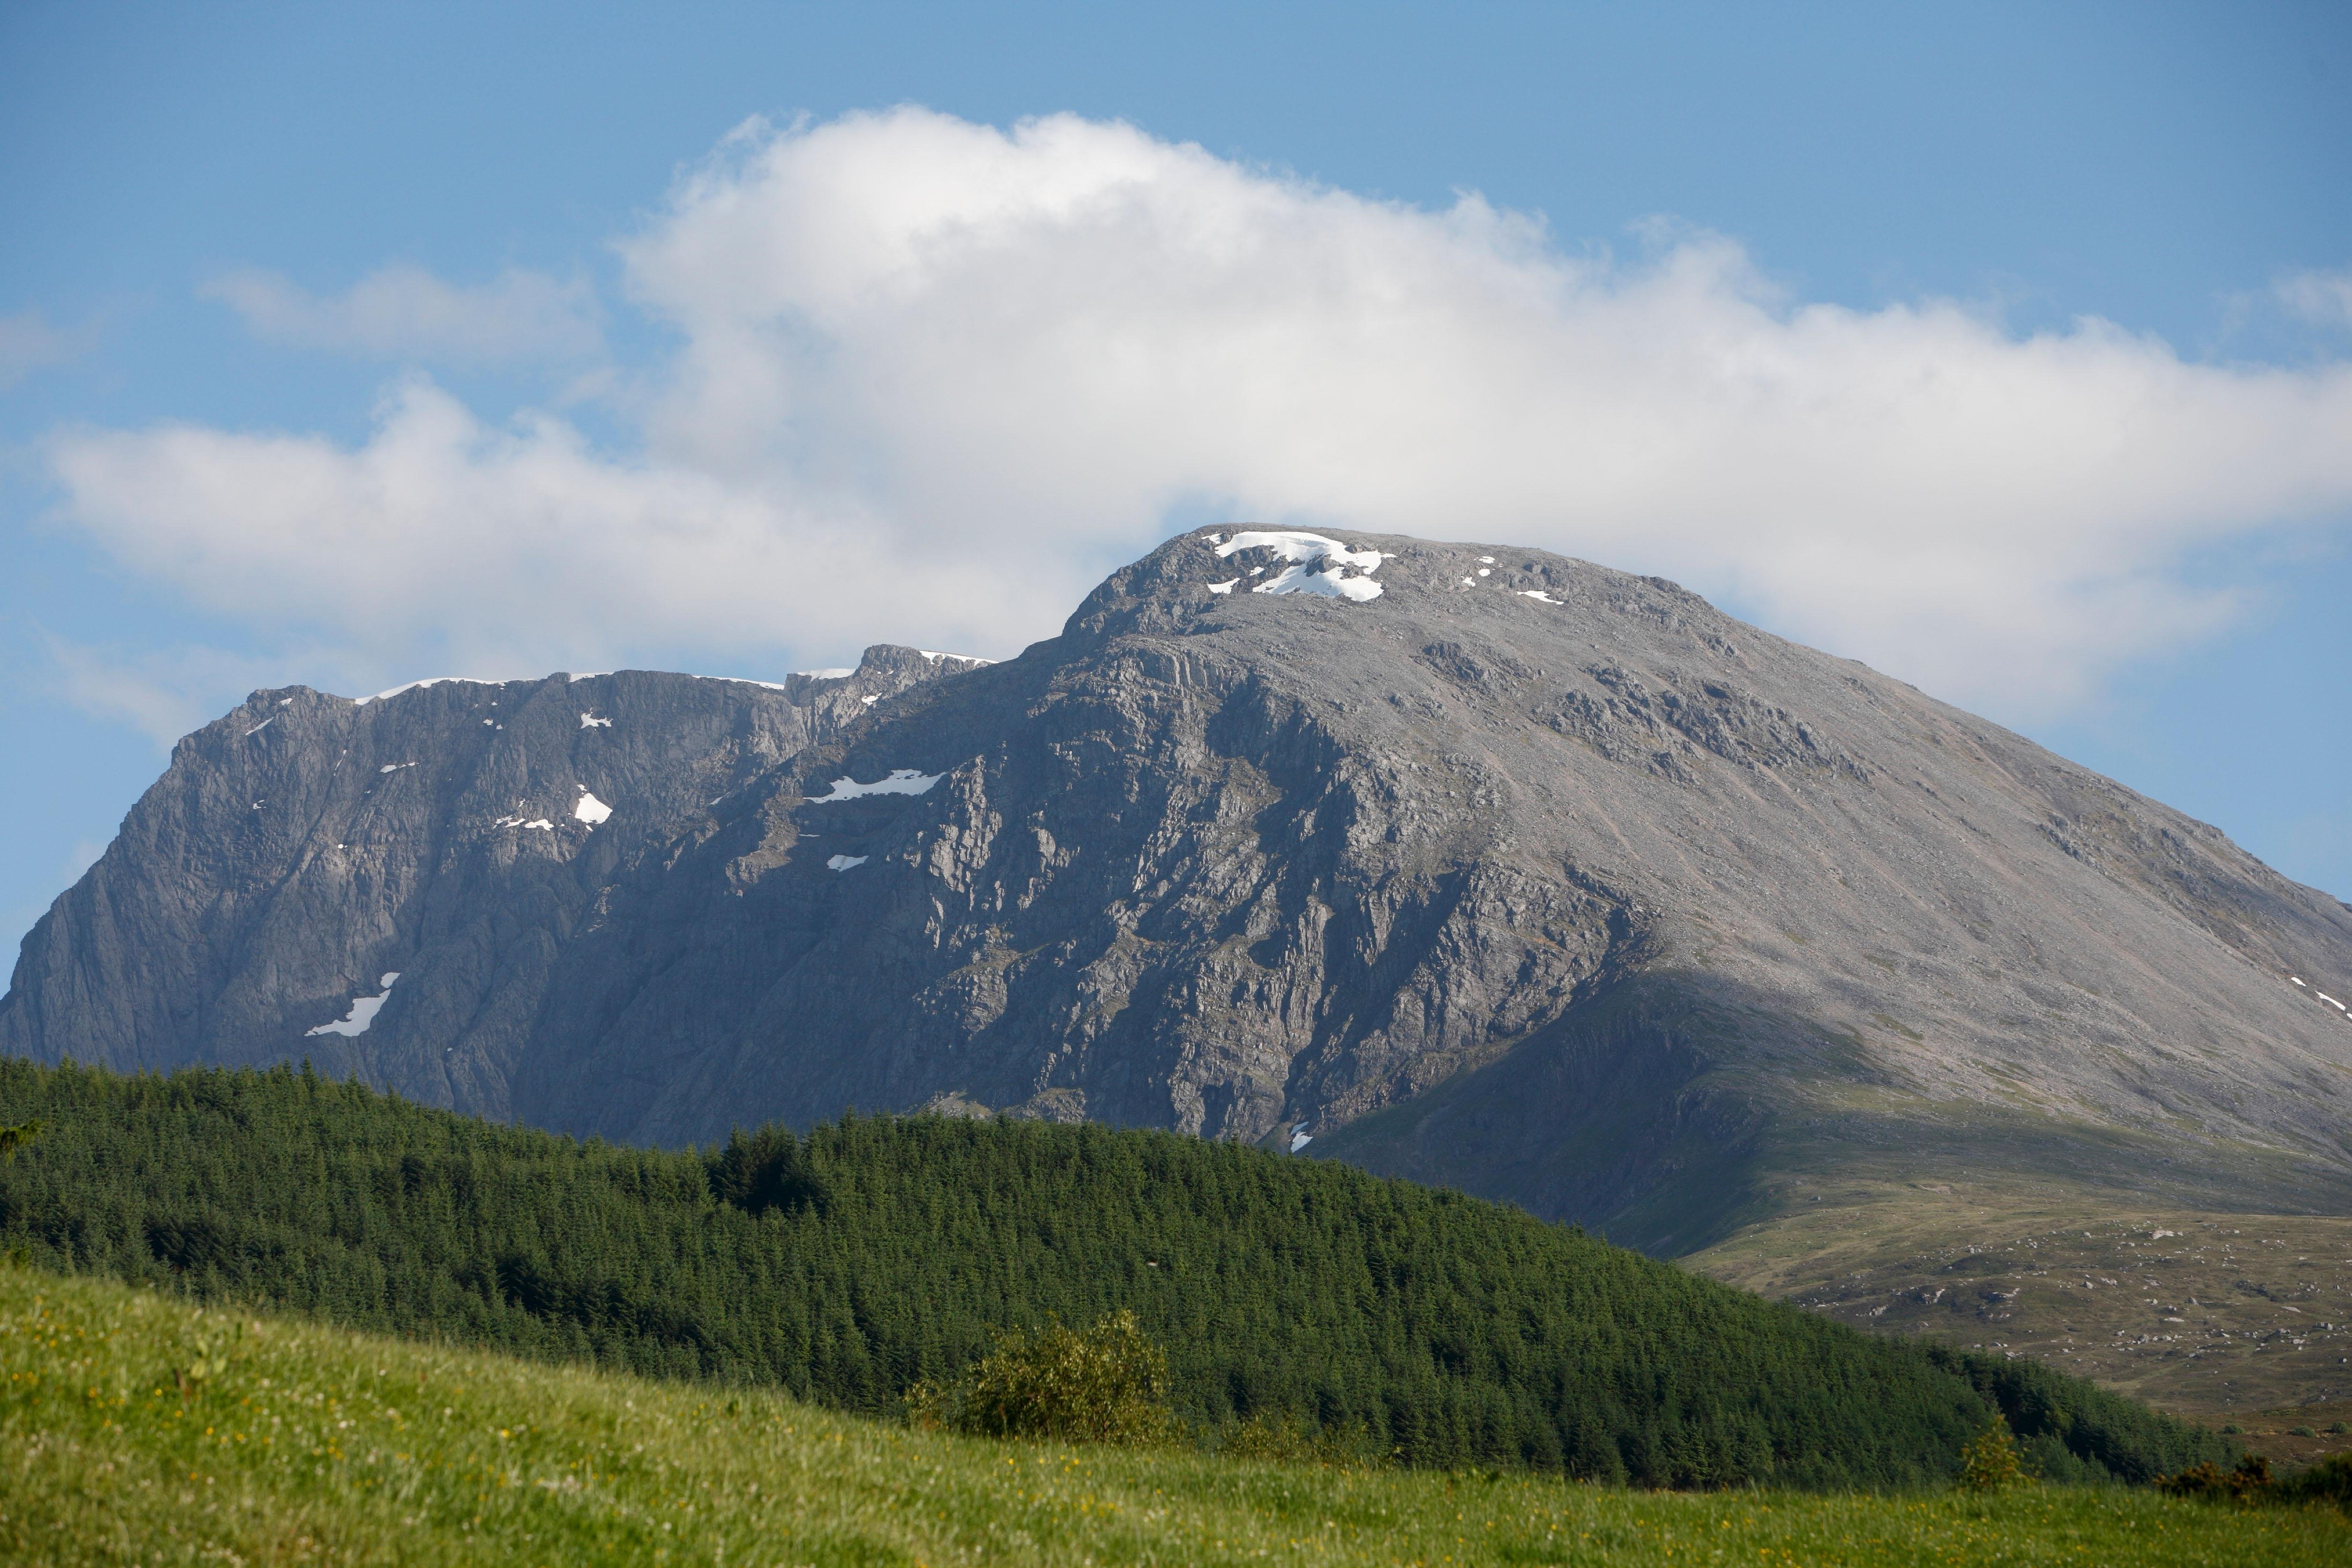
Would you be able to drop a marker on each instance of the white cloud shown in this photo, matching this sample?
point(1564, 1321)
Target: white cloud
point(403, 312)
point(28, 344)
point(935, 375)
point(2322, 297)
point(520, 550)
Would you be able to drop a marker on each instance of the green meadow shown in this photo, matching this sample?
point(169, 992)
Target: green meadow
point(136, 1428)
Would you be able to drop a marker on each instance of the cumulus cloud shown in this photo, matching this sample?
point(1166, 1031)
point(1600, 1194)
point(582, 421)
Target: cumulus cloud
point(2322, 297)
point(934, 376)
point(403, 312)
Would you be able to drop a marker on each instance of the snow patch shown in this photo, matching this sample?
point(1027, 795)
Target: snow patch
point(1485, 561)
point(902, 781)
point(1486, 571)
point(362, 1013)
point(592, 675)
point(394, 767)
point(590, 721)
point(257, 729)
point(591, 810)
point(421, 685)
point(1214, 538)
point(1300, 1140)
point(519, 822)
point(844, 862)
point(1307, 552)
point(1538, 593)
point(2298, 980)
point(820, 675)
point(966, 658)
point(869, 701)
point(1222, 587)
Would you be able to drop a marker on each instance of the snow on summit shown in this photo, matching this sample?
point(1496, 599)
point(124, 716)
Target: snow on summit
point(1316, 565)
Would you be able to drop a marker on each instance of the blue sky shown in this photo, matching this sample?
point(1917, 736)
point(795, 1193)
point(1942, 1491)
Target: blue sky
point(2008, 348)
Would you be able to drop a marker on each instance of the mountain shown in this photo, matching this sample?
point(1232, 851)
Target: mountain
point(1468, 863)
point(387, 885)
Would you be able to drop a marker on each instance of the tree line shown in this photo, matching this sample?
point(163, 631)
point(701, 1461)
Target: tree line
point(872, 1254)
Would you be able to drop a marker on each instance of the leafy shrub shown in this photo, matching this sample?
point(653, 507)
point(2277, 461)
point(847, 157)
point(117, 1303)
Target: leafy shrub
point(1108, 1385)
point(2234, 1430)
point(2301, 1432)
point(2329, 1480)
point(2337, 1429)
point(1990, 1462)
point(1285, 1438)
point(2250, 1482)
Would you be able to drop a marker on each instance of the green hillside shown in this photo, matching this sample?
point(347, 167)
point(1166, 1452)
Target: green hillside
point(848, 1265)
point(280, 1441)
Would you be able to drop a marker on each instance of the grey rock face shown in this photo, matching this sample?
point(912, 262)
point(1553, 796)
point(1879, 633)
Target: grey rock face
point(453, 833)
point(1524, 875)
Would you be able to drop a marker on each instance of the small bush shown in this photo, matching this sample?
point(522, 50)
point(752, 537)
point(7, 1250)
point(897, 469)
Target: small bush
point(2234, 1430)
point(1289, 1440)
point(1108, 1385)
point(2338, 1429)
point(2330, 1481)
point(2251, 1482)
point(2301, 1432)
point(1990, 1462)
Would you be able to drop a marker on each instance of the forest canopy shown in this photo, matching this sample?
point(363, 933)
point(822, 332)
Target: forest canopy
point(850, 1264)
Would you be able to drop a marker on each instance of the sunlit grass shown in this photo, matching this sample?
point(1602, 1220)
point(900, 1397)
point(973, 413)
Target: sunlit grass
point(138, 1429)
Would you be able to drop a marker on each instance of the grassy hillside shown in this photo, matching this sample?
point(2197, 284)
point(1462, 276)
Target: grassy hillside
point(2221, 1315)
point(136, 1428)
point(877, 1252)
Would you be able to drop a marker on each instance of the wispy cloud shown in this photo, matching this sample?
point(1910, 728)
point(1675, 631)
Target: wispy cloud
point(2322, 297)
point(28, 342)
point(162, 693)
point(934, 374)
point(403, 312)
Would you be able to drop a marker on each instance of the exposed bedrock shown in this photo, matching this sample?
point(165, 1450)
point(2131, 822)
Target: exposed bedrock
point(1518, 873)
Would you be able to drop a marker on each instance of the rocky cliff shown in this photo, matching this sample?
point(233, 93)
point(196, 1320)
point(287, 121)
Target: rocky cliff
point(386, 886)
point(1470, 863)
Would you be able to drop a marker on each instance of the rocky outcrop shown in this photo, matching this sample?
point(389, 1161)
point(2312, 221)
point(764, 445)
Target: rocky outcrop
point(1518, 873)
point(305, 848)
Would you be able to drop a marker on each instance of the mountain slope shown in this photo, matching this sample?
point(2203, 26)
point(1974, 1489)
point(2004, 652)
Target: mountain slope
point(305, 848)
point(1521, 874)
point(1669, 908)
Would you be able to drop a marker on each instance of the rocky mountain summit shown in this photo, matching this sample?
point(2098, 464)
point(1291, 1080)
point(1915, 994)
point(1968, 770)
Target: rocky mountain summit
point(1470, 863)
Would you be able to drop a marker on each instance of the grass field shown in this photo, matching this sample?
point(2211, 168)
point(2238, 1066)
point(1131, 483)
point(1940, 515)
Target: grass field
point(136, 1429)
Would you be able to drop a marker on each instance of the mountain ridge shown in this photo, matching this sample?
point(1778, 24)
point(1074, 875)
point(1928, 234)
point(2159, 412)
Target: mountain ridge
point(1518, 874)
